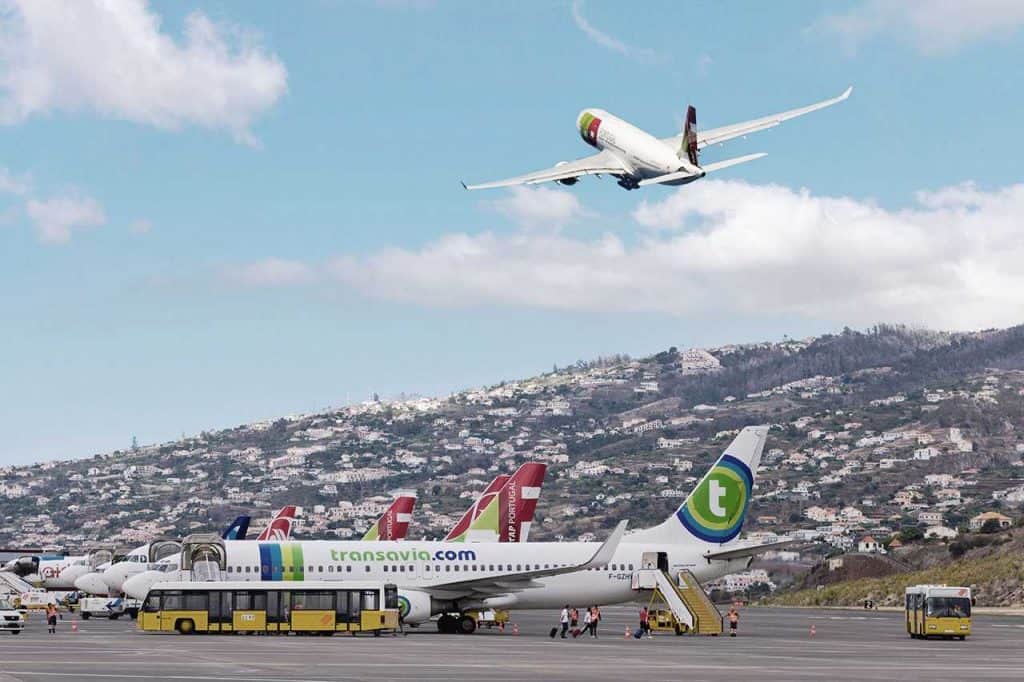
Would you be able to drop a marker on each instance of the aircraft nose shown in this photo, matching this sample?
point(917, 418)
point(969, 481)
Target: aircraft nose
point(92, 583)
point(114, 577)
point(138, 586)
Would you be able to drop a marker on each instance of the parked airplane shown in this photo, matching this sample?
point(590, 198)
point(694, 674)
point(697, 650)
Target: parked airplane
point(637, 158)
point(451, 578)
point(506, 515)
point(393, 524)
point(107, 578)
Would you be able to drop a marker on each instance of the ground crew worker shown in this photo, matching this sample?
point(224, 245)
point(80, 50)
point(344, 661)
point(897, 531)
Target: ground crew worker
point(734, 620)
point(564, 619)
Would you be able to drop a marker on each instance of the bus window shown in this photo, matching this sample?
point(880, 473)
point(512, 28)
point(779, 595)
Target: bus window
point(354, 606)
point(313, 601)
point(948, 607)
point(195, 601)
point(370, 600)
point(341, 606)
point(227, 608)
point(152, 603)
point(278, 607)
point(243, 601)
point(173, 601)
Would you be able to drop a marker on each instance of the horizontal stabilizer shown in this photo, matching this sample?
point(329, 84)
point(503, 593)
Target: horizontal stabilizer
point(748, 550)
point(719, 165)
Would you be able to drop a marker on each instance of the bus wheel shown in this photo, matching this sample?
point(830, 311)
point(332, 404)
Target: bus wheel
point(466, 625)
point(185, 626)
point(85, 615)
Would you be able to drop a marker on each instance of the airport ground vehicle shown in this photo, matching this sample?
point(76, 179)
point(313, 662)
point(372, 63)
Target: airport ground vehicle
point(938, 611)
point(323, 607)
point(11, 619)
point(109, 607)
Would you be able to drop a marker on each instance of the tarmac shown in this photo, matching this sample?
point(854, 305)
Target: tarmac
point(773, 644)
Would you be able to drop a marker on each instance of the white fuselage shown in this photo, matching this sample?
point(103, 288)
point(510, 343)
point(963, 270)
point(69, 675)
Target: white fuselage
point(415, 565)
point(644, 155)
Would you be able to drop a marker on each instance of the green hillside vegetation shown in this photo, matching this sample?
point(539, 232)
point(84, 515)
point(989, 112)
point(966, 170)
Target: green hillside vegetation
point(996, 580)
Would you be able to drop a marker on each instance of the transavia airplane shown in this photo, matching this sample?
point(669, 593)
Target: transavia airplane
point(452, 578)
point(637, 158)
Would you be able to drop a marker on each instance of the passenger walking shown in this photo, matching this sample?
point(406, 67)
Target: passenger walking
point(574, 617)
point(645, 622)
point(564, 620)
point(51, 618)
point(734, 621)
point(587, 622)
point(595, 618)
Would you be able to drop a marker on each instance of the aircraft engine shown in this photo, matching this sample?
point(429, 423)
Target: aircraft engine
point(414, 606)
point(568, 181)
point(23, 566)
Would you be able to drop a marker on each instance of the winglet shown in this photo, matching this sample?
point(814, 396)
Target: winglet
point(463, 183)
point(846, 93)
point(606, 551)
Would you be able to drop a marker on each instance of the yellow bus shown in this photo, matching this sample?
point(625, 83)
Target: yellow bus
point(322, 607)
point(938, 611)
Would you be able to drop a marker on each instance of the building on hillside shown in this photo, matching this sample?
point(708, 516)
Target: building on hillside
point(978, 521)
point(869, 545)
point(940, 532)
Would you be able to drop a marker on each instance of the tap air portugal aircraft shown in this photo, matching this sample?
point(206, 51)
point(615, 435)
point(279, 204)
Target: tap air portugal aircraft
point(451, 578)
point(637, 158)
point(107, 578)
point(394, 522)
point(504, 512)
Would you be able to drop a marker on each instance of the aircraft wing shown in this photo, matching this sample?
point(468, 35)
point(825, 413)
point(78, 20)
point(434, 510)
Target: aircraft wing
point(747, 550)
point(524, 580)
point(603, 162)
point(716, 135)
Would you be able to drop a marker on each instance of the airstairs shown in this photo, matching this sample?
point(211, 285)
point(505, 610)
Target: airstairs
point(11, 583)
point(686, 599)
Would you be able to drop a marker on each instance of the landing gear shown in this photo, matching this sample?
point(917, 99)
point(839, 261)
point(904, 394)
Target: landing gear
point(446, 624)
point(451, 624)
point(627, 182)
point(467, 625)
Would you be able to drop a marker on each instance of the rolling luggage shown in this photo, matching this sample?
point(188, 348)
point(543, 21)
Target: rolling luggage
point(576, 633)
point(638, 633)
point(553, 633)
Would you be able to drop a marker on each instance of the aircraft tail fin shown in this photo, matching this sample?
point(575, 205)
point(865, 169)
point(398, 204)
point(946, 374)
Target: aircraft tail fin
point(280, 527)
point(509, 514)
point(459, 530)
point(237, 530)
point(394, 522)
point(688, 145)
point(715, 509)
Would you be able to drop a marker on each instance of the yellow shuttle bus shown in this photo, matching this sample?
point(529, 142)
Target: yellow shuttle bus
point(938, 611)
point(236, 606)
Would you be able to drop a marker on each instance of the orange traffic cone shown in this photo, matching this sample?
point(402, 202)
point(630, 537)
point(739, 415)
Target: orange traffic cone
point(74, 625)
point(626, 636)
point(814, 630)
point(515, 628)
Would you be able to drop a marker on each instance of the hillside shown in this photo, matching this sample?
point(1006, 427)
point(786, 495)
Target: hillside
point(870, 430)
point(994, 572)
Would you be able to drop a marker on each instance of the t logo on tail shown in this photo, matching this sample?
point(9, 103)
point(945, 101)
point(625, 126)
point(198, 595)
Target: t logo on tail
point(715, 496)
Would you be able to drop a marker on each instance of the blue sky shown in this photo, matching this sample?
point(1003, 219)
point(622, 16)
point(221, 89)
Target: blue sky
point(212, 213)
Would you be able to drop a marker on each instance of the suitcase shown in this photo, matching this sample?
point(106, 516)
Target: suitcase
point(576, 633)
point(553, 633)
point(638, 633)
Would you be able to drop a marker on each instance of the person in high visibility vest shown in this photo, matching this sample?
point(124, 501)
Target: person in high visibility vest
point(734, 621)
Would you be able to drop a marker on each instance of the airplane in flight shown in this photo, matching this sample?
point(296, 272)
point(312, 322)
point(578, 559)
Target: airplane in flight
point(504, 512)
point(638, 159)
point(451, 578)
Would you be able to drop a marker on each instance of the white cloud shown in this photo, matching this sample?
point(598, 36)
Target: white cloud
point(11, 183)
point(110, 57)
point(950, 260)
point(539, 206)
point(606, 41)
point(931, 26)
point(271, 272)
point(58, 217)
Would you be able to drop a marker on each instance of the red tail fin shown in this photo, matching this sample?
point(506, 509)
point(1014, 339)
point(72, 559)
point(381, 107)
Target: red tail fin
point(280, 527)
point(519, 501)
point(394, 523)
point(460, 528)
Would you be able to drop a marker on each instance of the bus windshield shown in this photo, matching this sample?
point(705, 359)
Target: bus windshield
point(948, 607)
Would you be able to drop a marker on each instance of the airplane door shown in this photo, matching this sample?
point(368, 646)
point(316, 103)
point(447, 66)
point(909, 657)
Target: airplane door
point(649, 560)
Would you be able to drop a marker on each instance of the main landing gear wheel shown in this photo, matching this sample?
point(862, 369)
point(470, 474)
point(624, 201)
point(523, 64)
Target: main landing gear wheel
point(467, 625)
point(446, 624)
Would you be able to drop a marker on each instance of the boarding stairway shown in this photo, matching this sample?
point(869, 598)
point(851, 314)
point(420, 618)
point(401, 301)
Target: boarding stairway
point(11, 583)
point(684, 596)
